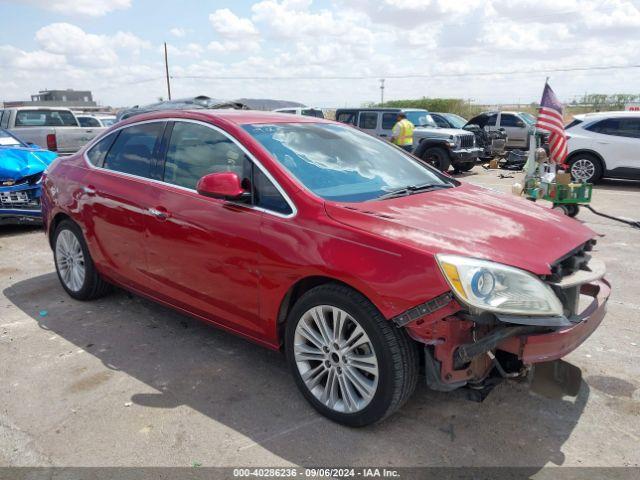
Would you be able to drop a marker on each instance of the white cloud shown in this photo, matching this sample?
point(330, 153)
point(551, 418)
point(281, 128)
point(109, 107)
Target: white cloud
point(92, 8)
point(228, 25)
point(87, 49)
point(357, 38)
point(178, 32)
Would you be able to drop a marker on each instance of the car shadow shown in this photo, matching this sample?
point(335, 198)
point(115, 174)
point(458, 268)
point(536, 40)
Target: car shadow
point(618, 185)
point(8, 231)
point(249, 389)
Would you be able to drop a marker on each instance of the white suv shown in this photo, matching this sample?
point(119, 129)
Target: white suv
point(604, 144)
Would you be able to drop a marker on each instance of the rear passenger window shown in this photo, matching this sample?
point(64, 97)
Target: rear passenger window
point(197, 150)
point(266, 195)
point(132, 152)
point(97, 153)
point(368, 120)
point(388, 120)
point(507, 120)
point(347, 117)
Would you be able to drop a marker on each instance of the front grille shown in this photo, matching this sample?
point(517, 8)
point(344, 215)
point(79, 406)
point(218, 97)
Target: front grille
point(577, 259)
point(570, 263)
point(466, 141)
point(21, 200)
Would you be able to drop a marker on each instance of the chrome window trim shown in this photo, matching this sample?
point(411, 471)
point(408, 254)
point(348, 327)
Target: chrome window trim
point(252, 158)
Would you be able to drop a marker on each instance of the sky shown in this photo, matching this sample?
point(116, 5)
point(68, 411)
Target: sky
point(492, 51)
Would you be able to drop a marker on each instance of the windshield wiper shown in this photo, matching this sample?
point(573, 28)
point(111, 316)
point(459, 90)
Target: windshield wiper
point(411, 189)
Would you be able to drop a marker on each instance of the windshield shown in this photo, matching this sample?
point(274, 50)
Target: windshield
point(7, 140)
point(107, 122)
point(527, 117)
point(341, 163)
point(420, 118)
point(456, 121)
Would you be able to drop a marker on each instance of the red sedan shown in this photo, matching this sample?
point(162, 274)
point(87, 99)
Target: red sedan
point(360, 261)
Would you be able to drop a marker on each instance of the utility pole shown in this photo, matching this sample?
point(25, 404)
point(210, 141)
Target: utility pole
point(166, 69)
point(382, 92)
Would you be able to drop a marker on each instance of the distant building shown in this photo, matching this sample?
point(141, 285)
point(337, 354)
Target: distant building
point(80, 99)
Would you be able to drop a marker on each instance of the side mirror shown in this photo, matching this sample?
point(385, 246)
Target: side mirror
point(520, 124)
point(224, 185)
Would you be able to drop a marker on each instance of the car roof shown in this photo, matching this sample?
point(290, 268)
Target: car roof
point(239, 117)
point(617, 113)
point(382, 109)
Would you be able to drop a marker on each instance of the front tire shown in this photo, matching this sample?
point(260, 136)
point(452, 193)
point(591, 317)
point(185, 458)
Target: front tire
point(438, 158)
point(586, 168)
point(74, 266)
point(464, 167)
point(349, 362)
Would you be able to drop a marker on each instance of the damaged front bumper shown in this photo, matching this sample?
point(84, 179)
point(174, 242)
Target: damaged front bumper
point(461, 349)
point(543, 347)
point(20, 204)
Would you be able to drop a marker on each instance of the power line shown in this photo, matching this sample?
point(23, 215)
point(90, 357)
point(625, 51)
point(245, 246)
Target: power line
point(405, 76)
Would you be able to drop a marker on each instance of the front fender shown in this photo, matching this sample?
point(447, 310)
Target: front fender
point(426, 143)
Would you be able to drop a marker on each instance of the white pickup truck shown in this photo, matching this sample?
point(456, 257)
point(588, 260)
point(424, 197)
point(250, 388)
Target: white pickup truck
point(54, 128)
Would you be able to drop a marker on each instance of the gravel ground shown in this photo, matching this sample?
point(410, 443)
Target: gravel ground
point(125, 382)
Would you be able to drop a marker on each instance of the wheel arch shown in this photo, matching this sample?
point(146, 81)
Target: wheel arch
point(297, 290)
point(586, 151)
point(55, 221)
point(427, 143)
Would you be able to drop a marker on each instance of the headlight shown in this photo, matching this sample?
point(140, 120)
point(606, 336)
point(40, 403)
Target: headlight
point(494, 287)
point(454, 142)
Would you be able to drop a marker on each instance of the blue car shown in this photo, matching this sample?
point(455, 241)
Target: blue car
point(21, 169)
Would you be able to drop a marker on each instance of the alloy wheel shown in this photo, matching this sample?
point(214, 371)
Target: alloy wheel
point(70, 260)
point(583, 169)
point(336, 359)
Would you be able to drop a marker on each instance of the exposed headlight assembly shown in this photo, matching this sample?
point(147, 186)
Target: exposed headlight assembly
point(493, 287)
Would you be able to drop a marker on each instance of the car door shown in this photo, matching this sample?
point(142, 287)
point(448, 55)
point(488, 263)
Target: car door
point(516, 129)
point(618, 141)
point(203, 252)
point(368, 122)
point(388, 120)
point(115, 198)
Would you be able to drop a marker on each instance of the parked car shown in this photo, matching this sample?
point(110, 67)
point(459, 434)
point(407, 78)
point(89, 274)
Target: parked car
point(351, 255)
point(517, 126)
point(56, 128)
point(605, 144)
point(306, 111)
point(192, 103)
point(448, 120)
point(21, 167)
point(95, 120)
point(440, 147)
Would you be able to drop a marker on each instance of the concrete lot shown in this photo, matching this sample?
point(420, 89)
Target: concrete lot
point(125, 382)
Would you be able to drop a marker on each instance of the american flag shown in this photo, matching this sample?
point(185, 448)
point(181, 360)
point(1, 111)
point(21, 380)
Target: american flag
point(550, 120)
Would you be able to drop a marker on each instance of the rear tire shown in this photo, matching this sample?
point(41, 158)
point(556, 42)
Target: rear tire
point(438, 158)
point(585, 167)
point(74, 266)
point(353, 365)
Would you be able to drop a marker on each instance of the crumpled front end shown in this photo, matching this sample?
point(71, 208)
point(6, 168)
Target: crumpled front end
point(467, 347)
point(21, 171)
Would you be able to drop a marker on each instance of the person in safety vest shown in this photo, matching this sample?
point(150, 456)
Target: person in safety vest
point(402, 133)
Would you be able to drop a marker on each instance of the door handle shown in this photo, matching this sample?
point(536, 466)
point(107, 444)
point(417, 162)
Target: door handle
point(89, 190)
point(160, 213)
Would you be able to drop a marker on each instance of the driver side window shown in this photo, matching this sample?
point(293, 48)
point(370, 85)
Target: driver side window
point(196, 150)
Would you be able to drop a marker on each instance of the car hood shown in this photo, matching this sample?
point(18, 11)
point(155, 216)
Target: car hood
point(471, 221)
point(17, 163)
point(445, 132)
